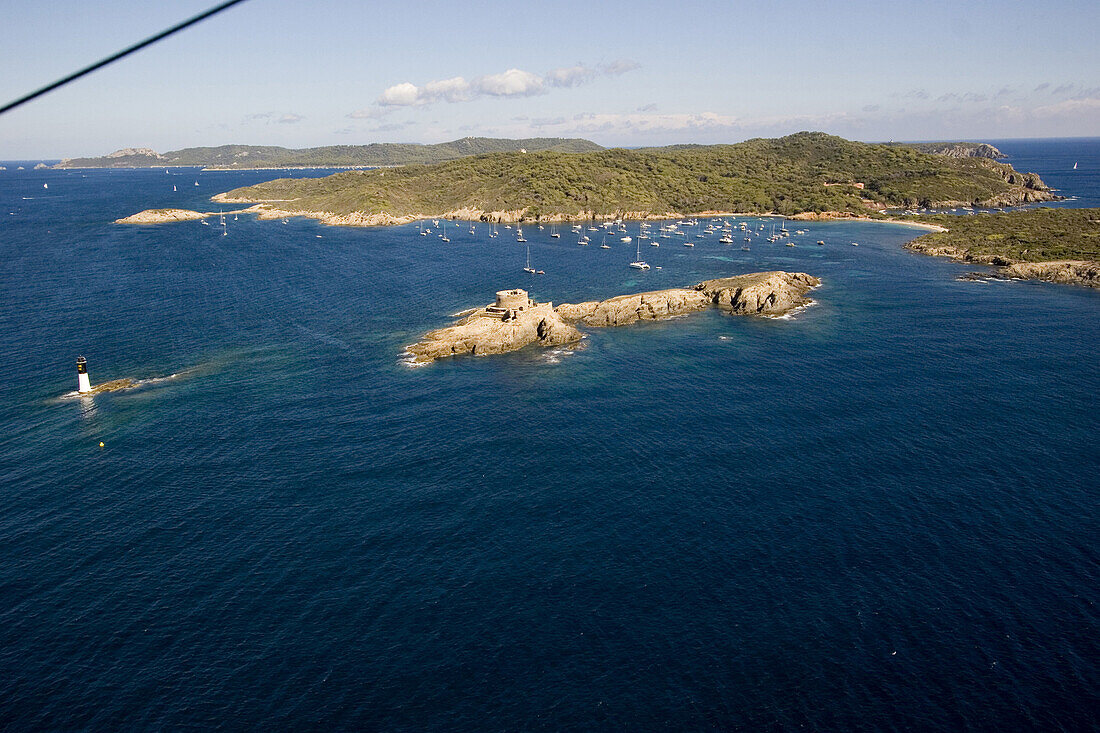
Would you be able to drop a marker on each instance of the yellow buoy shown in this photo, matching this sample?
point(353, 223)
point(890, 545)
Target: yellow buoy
point(101, 444)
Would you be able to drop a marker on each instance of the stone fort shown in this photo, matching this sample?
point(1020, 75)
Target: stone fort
point(510, 303)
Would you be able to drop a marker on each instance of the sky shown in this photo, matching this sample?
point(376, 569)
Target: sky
point(340, 72)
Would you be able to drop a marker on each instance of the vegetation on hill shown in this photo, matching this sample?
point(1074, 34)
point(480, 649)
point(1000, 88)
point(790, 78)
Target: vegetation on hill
point(805, 172)
point(1035, 235)
point(334, 156)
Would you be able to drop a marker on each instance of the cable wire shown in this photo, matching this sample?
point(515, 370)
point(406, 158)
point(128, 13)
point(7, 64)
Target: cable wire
point(125, 52)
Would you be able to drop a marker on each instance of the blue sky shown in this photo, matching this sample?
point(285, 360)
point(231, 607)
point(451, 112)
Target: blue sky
point(327, 72)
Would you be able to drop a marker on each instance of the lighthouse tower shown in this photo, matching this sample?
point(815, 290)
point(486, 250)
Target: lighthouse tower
point(84, 385)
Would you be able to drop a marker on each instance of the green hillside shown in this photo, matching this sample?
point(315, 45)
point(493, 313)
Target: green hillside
point(334, 156)
point(804, 172)
point(1036, 235)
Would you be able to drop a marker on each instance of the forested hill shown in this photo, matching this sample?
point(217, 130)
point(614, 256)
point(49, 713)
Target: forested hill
point(334, 156)
point(805, 172)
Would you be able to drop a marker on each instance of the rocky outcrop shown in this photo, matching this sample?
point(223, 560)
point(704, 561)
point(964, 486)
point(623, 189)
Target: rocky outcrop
point(758, 293)
point(482, 331)
point(164, 216)
point(128, 152)
point(1067, 272)
point(115, 385)
point(960, 150)
point(626, 309)
point(161, 216)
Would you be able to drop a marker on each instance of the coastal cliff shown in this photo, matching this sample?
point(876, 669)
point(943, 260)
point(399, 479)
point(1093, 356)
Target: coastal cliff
point(506, 327)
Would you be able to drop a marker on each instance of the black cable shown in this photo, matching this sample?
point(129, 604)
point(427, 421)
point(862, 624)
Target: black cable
point(120, 54)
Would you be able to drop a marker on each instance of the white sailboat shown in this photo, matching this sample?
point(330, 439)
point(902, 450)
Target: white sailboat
point(1075, 165)
point(554, 233)
point(528, 267)
point(443, 236)
point(639, 263)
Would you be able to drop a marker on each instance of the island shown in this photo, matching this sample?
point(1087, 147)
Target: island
point(800, 173)
point(1056, 245)
point(514, 321)
point(245, 157)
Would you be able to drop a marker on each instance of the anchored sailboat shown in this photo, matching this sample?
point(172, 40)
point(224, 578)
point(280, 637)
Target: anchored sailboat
point(639, 263)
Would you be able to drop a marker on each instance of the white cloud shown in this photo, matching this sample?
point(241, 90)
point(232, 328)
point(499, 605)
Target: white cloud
point(400, 95)
point(286, 118)
point(1068, 107)
point(619, 66)
point(571, 76)
point(447, 90)
point(512, 83)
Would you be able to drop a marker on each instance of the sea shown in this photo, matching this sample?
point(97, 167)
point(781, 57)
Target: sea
point(879, 513)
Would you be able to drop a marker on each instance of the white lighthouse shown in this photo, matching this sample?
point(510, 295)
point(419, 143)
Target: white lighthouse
point(83, 384)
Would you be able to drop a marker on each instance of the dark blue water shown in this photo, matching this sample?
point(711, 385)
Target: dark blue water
point(880, 514)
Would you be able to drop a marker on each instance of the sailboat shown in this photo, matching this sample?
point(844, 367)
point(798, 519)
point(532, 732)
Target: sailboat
point(519, 235)
point(639, 263)
point(45, 185)
point(1075, 165)
point(554, 233)
point(528, 267)
point(173, 189)
point(443, 236)
point(224, 232)
point(604, 244)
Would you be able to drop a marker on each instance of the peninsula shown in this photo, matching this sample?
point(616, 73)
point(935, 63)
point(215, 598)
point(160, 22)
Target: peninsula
point(243, 157)
point(805, 172)
point(1057, 245)
point(514, 321)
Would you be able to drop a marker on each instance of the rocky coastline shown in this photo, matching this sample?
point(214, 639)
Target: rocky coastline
point(1066, 272)
point(515, 321)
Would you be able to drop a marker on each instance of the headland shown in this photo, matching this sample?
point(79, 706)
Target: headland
point(1056, 245)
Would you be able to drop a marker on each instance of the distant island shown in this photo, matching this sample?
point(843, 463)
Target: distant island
point(240, 157)
point(1057, 245)
point(808, 172)
point(514, 321)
